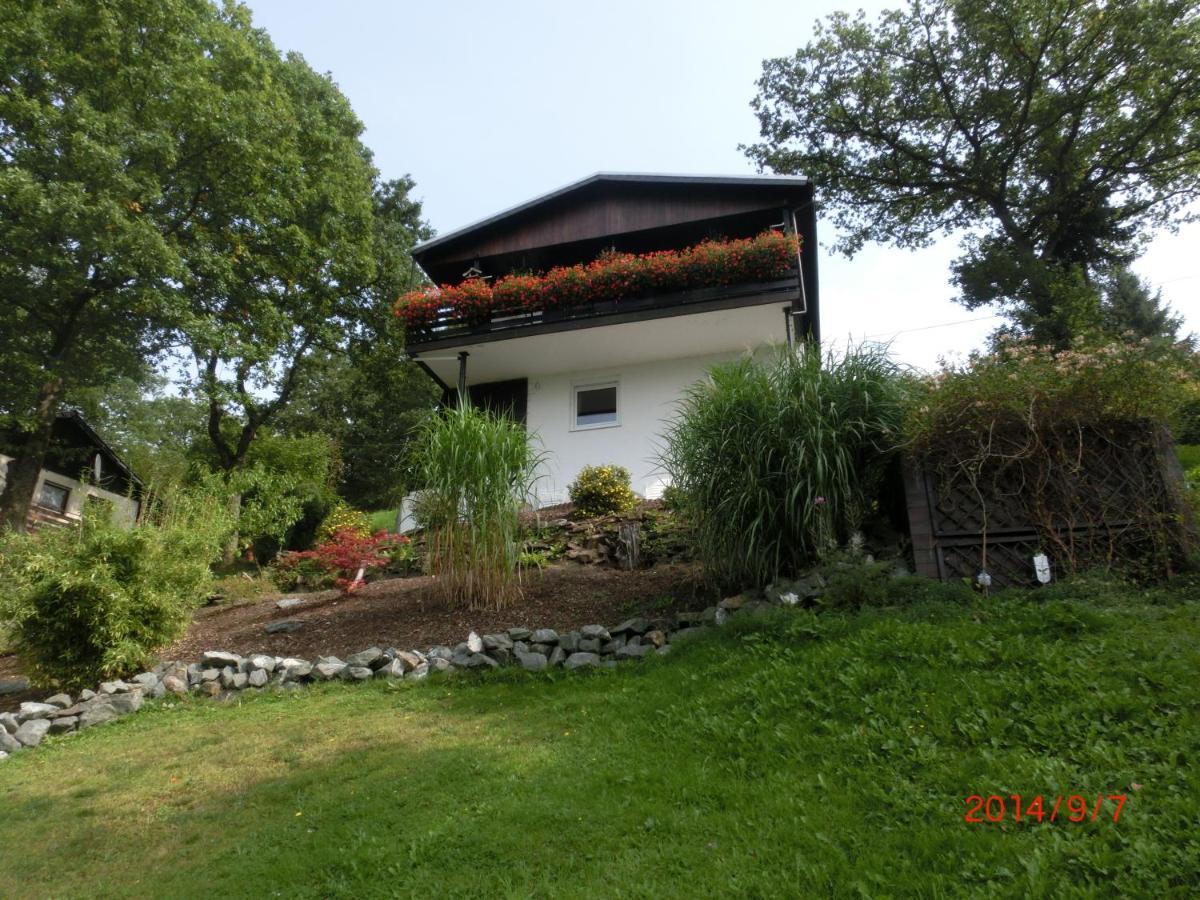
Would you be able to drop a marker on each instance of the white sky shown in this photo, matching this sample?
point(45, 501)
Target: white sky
point(489, 104)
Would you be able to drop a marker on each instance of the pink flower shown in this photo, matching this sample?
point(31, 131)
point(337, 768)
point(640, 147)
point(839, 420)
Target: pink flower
point(819, 501)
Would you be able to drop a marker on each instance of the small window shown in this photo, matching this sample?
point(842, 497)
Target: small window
point(53, 496)
point(596, 406)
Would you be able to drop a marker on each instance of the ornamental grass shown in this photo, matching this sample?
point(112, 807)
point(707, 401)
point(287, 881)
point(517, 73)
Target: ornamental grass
point(778, 462)
point(478, 470)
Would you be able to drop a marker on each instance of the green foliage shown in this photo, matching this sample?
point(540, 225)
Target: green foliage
point(344, 517)
point(794, 754)
point(293, 572)
point(602, 491)
point(96, 600)
point(779, 462)
point(477, 469)
point(1129, 308)
point(1006, 122)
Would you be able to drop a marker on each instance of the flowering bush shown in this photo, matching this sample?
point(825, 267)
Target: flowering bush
point(343, 559)
point(612, 276)
point(343, 517)
point(602, 490)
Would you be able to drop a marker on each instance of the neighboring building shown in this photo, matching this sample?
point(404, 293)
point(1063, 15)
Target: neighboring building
point(596, 381)
point(80, 468)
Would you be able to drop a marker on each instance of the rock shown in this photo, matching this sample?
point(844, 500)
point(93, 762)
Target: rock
point(500, 655)
point(240, 680)
point(421, 672)
point(755, 607)
point(296, 670)
point(569, 642)
point(357, 673)
point(589, 645)
point(284, 626)
point(14, 685)
point(437, 664)
point(364, 658)
point(125, 703)
point(228, 674)
point(110, 688)
point(544, 636)
point(474, 643)
point(395, 669)
point(330, 660)
point(174, 684)
point(8, 743)
point(86, 694)
point(633, 651)
point(688, 619)
point(410, 659)
point(497, 642)
point(327, 671)
point(99, 713)
point(596, 632)
point(581, 660)
point(734, 603)
point(663, 650)
point(219, 659)
point(532, 662)
point(30, 710)
point(210, 675)
point(289, 602)
point(62, 701)
point(63, 724)
point(8, 723)
point(632, 626)
point(557, 656)
point(479, 661)
point(147, 680)
point(210, 689)
point(157, 691)
point(260, 661)
point(520, 634)
point(440, 652)
point(684, 633)
point(257, 678)
point(3, 755)
point(720, 617)
point(69, 711)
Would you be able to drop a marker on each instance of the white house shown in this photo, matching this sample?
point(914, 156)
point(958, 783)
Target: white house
point(80, 468)
point(595, 376)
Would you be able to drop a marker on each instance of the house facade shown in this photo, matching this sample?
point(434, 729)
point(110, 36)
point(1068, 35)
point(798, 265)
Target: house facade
point(587, 312)
point(80, 469)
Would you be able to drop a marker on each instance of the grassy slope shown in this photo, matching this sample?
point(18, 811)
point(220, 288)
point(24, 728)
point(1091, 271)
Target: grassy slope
point(383, 520)
point(1189, 455)
point(822, 755)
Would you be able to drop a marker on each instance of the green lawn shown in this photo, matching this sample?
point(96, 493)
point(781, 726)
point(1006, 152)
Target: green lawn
point(796, 755)
point(383, 520)
point(1189, 455)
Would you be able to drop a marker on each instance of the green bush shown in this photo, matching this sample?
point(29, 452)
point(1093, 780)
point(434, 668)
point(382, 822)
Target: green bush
point(96, 600)
point(602, 491)
point(777, 463)
point(477, 469)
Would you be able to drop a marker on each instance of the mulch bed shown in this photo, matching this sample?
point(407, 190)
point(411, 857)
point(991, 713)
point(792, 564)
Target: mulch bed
point(403, 613)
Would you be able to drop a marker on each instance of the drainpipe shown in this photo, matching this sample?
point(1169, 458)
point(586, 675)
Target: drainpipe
point(463, 396)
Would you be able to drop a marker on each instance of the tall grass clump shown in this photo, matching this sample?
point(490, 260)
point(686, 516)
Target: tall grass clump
point(95, 600)
point(779, 461)
point(477, 469)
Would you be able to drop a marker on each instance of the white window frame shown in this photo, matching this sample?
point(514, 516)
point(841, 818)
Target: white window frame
point(573, 412)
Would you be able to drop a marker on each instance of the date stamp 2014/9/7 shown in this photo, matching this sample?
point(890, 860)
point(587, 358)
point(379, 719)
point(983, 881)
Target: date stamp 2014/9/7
point(994, 808)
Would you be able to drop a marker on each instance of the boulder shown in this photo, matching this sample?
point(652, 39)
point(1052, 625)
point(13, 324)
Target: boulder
point(296, 670)
point(421, 672)
point(125, 703)
point(581, 660)
point(497, 642)
point(13, 685)
point(437, 664)
point(327, 671)
point(210, 688)
point(208, 675)
point(531, 662)
point(174, 684)
point(410, 659)
point(394, 669)
point(569, 642)
point(288, 602)
point(597, 632)
point(440, 652)
point(589, 645)
point(86, 694)
point(147, 680)
point(8, 723)
point(228, 676)
point(656, 637)
point(479, 661)
point(544, 636)
point(357, 673)
point(62, 701)
point(219, 659)
point(63, 724)
point(257, 678)
point(30, 710)
point(284, 626)
point(260, 661)
point(520, 634)
point(474, 643)
point(733, 604)
point(557, 656)
point(239, 681)
point(99, 713)
point(8, 743)
point(684, 633)
point(365, 658)
point(632, 626)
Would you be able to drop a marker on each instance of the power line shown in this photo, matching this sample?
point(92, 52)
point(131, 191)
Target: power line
point(928, 327)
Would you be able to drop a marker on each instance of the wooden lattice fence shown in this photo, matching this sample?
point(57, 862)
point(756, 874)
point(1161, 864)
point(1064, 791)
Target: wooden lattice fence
point(1116, 503)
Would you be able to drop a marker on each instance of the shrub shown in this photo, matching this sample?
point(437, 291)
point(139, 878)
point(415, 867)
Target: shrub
point(779, 462)
point(344, 559)
point(602, 491)
point(343, 518)
point(477, 468)
point(295, 571)
point(95, 600)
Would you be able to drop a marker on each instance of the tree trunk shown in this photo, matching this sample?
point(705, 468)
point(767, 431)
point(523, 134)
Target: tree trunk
point(23, 471)
point(229, 555)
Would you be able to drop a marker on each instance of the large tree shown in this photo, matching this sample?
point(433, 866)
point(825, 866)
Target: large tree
point(120, 122)
point(1056, 135)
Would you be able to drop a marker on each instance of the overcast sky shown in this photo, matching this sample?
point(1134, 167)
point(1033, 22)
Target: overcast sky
point(490, 104)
